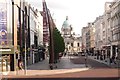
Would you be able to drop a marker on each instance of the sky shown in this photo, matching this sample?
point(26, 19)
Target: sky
point(79, 12)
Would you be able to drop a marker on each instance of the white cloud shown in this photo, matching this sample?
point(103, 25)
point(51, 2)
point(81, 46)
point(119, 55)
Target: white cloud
point(80, 12)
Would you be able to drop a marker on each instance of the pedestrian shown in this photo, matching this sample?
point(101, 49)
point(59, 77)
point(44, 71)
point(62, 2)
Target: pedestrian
point(51, 66)
point(113, 59)
point(20, 64)
point(65, 54)
point(86, 55)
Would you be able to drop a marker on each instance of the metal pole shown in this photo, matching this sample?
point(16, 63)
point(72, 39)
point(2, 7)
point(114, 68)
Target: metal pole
point(14, 60)
point(25, 54)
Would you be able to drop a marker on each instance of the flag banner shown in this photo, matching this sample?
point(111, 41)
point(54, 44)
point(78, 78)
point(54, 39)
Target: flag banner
point(3, 24)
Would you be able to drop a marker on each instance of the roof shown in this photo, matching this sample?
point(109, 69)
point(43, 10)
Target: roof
point(66, 23)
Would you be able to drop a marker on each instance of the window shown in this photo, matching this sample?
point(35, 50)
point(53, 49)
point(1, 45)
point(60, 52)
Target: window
point(114, 37)
point(78, 44)
point(67, 42)
point(103, 33)
point(72, 44)
point(118, 36)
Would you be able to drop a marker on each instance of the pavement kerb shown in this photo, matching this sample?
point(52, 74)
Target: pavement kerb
point(61, 71)
point(46, 72)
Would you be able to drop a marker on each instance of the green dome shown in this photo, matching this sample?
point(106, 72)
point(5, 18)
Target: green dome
point(65, 24)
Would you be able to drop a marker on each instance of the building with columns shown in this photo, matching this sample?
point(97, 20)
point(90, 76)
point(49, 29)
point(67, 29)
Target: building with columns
point(115, 27)
point(106, 33)
point(72, 41)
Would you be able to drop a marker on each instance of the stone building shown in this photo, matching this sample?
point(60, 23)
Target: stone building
point(88, 38)
point(106, 30)
point(92, 38)
point(72, 42)
point(115, 27)
point(84, 31)
point(98, 32)
point(36, 34)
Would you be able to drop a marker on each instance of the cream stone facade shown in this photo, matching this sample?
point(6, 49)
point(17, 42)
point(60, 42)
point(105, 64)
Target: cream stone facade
point(72, 42)
point(84, 31)
point(115, 27)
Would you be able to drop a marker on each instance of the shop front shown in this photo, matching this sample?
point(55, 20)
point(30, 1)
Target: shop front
point(5, 59)
point(7, 47)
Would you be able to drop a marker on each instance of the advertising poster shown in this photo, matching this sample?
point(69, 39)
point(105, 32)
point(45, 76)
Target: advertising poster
point(3, 24)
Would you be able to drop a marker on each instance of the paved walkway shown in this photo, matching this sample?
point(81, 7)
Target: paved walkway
point(42, 68)
point(65, 69)
point(64, 63)
point(43, 65)
point(89, 62)
point(107, 62)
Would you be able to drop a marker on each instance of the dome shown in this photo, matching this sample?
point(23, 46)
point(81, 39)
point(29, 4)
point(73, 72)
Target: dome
point(66, 23)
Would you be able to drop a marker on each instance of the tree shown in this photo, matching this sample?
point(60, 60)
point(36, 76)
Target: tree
point(59, 45)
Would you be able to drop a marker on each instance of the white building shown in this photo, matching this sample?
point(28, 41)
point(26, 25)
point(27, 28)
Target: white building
point(40, 27)
point(36, 32)
point(98, 32)
point(72, 42)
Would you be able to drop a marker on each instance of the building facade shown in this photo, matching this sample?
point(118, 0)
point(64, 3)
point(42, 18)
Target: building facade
point(115, 27)
point(92, 39)
point(17, 31)
point(84, 31)
point(36, 34)
point(98, 33)
point(88, 38)
point(72, 42)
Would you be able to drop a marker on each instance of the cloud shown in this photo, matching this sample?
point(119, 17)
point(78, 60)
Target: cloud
point(56, 4)
point(80, 12)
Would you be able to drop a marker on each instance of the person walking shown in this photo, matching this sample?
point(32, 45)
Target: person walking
point(20, 64)
point(113, 59)
point(86, 56)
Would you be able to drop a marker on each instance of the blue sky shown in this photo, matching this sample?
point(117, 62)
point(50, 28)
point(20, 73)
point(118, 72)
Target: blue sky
point(80, 12)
